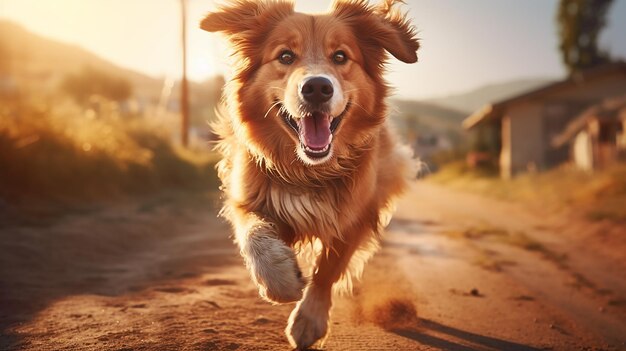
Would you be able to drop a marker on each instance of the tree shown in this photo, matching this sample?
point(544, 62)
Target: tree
point(580, 23)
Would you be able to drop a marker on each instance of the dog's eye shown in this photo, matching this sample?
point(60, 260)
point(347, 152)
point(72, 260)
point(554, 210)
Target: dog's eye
point(340, 57)
point(286, 57)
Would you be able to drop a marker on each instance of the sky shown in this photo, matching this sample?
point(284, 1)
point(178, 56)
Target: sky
point(465, 44)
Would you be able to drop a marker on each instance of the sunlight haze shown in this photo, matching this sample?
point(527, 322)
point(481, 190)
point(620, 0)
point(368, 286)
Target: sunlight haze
point(465, 44)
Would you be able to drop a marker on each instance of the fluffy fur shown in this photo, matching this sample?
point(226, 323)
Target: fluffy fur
point(279, 199)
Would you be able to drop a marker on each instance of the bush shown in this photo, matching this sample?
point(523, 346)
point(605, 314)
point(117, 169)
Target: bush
point(600, 194)
point(68, 154)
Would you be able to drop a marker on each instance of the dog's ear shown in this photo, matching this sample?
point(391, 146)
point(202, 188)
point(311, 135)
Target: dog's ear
point(383, 24)
point(395, 32)
point(239, 16)
point(234, 18)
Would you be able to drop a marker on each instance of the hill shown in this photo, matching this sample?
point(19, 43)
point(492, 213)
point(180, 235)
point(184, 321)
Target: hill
point(473, 100)
point(35, 63)
point(28, 56)
point(429, 116)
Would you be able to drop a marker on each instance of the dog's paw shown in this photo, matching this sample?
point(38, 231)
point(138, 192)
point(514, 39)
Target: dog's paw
point(274, 268)
point(308, 322)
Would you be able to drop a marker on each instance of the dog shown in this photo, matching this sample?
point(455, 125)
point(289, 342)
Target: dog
point(309, 160)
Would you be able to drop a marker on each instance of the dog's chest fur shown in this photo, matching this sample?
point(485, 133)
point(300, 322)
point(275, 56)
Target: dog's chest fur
point(312, 212)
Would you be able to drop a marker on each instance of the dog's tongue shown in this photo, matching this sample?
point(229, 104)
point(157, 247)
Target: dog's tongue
point(315, 131)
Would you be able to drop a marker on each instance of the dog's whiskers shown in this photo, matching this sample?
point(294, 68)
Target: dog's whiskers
point(271, 107)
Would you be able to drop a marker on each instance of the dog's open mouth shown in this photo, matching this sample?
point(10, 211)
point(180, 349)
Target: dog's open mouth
point(315, 130)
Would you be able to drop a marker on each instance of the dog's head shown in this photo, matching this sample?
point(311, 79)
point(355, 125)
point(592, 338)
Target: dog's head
point(310, 83)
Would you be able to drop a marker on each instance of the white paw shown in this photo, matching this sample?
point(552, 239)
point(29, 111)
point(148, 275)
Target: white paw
point(308, 322)
point(274, 268)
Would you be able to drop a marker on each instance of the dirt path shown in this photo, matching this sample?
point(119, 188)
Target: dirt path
point(164, 275)
point(499, 271)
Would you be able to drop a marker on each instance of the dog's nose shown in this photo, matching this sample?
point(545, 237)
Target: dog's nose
point(317, 90)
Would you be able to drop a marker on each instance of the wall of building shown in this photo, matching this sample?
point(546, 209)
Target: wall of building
point(524, 149)
point(582, 151)
point(505, 148)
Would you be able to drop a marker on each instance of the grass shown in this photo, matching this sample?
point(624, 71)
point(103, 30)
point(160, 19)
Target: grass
point(60, 153)
point(600, 195)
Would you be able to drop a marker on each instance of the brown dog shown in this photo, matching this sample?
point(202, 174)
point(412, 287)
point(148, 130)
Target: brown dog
point(307, 155)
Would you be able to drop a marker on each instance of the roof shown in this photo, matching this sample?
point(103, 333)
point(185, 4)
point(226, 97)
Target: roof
point(496, 110)
point(607, 110)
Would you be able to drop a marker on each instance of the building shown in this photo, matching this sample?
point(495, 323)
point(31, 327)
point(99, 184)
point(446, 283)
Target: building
point(597, 137)
point(525, 128)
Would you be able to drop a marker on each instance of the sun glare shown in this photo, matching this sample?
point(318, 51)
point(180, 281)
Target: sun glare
point(142, 35)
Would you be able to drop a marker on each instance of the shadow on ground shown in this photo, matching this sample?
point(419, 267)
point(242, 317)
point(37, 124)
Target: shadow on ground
point(465, 341)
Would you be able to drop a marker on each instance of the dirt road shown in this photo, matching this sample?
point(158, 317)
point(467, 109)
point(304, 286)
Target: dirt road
point(164, 275)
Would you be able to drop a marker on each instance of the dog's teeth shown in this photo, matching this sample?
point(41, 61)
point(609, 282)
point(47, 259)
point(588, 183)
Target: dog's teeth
point(317, 151)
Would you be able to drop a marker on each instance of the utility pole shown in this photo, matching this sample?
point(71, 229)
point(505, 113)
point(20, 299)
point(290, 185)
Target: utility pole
point(184, 85)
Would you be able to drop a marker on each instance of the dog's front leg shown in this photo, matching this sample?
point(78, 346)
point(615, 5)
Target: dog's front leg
point(271, 262)
point(308, 322)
